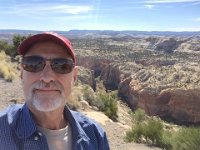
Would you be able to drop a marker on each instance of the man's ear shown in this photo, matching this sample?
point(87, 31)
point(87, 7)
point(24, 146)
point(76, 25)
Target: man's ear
point(75, 73)
point(21, 72)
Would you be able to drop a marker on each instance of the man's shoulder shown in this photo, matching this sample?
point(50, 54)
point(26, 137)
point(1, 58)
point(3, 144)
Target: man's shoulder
point(10, 111)
point(86, 122)
point(92, 130)
point(83, 119)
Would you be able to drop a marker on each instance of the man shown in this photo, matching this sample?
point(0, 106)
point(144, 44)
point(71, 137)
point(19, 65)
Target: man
point(48, 73)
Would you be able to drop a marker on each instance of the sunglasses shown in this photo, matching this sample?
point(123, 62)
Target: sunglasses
point(37, 64)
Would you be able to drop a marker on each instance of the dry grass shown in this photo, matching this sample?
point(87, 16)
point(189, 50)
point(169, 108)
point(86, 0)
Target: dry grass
point(8, 70)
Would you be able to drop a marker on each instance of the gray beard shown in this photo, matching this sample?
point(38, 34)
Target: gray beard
point(46, 103)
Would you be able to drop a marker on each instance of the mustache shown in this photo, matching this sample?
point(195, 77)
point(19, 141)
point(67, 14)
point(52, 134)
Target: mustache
point(53, 85)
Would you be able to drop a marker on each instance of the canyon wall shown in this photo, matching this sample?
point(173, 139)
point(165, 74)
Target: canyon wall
point(168, 91)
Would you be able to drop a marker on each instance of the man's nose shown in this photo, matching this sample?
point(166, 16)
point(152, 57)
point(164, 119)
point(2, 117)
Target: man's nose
point(47, 74)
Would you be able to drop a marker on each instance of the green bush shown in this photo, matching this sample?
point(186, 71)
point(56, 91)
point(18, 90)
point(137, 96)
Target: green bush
point(187, 139)
point(109, 105)
point(8, 70)
point(151, 131)
point(7, 48)
point(105, 102)
point(91, 98)
point(11, 49)
point(154, 132)
point(138, 116)
point(17, 39)
point(136, 133)
point(166, 140)
point(148, 130)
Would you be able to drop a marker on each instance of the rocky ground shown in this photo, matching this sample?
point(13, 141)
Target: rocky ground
point(10, 91)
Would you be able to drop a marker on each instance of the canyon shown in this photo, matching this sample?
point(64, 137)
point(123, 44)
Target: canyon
point(159, 74)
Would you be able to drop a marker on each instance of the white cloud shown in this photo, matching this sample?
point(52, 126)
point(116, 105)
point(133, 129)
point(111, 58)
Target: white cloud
point(149, 6)
point(197, 19)
point(169, 1)
point(70, 9)
point(43, 9)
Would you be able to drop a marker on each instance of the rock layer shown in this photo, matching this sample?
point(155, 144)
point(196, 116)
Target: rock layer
point(165, 91)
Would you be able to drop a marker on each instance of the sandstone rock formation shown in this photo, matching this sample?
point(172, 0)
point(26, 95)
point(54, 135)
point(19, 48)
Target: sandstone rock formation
point(157, 73)
point(170, 91)
point(166, 45)
point(181, 106)
point(86, 76)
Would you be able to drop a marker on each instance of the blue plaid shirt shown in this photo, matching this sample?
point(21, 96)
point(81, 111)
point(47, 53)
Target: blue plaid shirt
point(18, 131)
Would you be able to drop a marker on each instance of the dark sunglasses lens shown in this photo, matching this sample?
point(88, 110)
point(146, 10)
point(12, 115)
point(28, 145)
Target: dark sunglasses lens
point(33, 63)
point(62, 66)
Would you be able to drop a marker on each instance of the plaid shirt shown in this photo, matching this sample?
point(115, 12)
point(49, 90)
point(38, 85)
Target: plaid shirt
point(18, 131)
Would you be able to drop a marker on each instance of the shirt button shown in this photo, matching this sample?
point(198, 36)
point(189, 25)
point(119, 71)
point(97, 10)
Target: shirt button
point(39, 133)
point(36, 138)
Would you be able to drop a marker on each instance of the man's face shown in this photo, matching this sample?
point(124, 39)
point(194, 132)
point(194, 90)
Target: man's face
point(47, 90)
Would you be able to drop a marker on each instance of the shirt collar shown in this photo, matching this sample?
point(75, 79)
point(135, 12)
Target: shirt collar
point(78, 133)
point(25, 126)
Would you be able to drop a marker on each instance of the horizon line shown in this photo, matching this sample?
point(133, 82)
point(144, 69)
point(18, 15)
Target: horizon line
point(98, 30)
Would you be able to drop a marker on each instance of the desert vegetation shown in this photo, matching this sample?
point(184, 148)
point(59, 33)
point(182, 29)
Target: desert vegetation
point(11, 48)
point(8, 70)
point(153, 131)
point(9, 59)
point(99, 100)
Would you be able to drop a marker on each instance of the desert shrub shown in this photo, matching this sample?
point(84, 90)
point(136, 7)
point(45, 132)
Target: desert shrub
point(105, 102)
point(91, 98)
point(187, 138)
point(154, 132)
point(136, 133)
point(17, 39)
point(3, 45)
point(109, 105)
point(148, 130)
point(167, 139)
point(11, 49)
point(8, 70)
point(151, 131)
point(75, 97)
point(7, 48)
point(138, 116)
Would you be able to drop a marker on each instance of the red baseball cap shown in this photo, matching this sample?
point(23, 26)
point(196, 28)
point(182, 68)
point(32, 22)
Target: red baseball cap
point(27, 43)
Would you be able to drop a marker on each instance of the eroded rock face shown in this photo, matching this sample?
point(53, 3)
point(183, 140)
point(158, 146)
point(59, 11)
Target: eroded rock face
point(162, 84)
point(125, 92)
point(111, 77)
point(86, 76)
point(109, 73)
point(167, 91)
point(166, 45)
point(91, 68)
point(190, 45)
point(93, 63)
point(181, 106)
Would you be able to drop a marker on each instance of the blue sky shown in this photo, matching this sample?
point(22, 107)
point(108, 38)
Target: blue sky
point(64, 15)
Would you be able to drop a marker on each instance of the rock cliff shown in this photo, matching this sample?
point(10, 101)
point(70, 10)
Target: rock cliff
point(169, 91)
point(157, 74)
